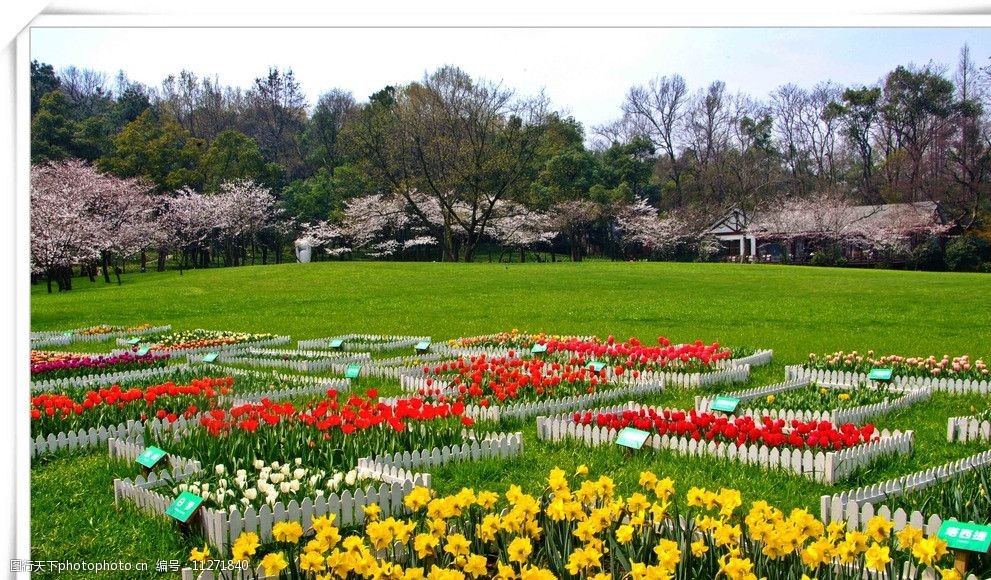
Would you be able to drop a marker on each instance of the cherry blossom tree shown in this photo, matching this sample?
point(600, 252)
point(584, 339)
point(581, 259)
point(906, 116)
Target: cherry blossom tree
point(516, 226)
point(79, 216)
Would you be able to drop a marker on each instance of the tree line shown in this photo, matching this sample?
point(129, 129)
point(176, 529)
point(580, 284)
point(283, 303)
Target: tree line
point(446, 165)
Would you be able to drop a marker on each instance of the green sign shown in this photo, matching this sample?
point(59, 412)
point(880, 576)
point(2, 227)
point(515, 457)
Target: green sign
point(337, 343)
point(596, 366)
point(965, 536)
point(67, 333)
point(150, 456)
point(632, 438)
point(210, 357)
point(134, 340)
point(538, 348)
point(143, 350)
point(352, 371)
point(422, 346)
point(880, 375)
point(184, 506)
point(725, 404)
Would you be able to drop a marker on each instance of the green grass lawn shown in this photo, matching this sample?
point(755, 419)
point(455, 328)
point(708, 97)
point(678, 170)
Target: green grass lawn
point(794, 310)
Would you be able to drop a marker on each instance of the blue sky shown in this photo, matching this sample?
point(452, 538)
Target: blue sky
point(585, 71)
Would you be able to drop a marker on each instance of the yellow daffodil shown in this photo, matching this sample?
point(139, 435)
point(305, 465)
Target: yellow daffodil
point(519, 550)
point(197, 555)
point(274, 563)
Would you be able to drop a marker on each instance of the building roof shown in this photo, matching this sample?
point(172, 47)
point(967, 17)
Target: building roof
point(847, 219)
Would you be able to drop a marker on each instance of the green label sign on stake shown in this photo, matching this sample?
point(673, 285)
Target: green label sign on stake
point(352, 371)
point(67, 333)
point(210, 357)
point(880, 375)
point(150, 456)
point(143, 350)
point(422, 346)
point(337, 343)
point(596, 366)
point(538, 348)
point(632, 438)
point(184, 506)
point(725, 404)
point(965, 536)
point(134, 340)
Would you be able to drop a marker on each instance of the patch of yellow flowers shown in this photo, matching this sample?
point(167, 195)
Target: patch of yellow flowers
point(580, 528)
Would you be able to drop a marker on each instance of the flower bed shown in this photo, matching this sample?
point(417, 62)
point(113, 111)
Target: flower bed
point(828, 455)
point(958, 367)
point(773, 433)
point(364, 342)
point(94, 334)
point(850, 378)
point(804, 401)
point(55, 412)
point(302, 361)
point(580, 528)
point(333, 433)
point(199, 340)
point(60, 365)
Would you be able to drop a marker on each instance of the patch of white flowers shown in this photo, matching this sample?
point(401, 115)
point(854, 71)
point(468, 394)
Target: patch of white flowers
point(266, 483)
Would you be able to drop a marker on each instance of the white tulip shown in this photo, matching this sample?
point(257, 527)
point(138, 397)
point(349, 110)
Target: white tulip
point(275, 465)
point(259, 464)
point(222, 483)
point(220, 469)
point(299, 473)
point(314, 480)
point(294, 486)
point(245, 501)
point(351, 477)
point(284, 487)
point(241, 473)
point(250, 494)
point(183, 487)
point(319, 493)
point(285, 470)
point(299, 461)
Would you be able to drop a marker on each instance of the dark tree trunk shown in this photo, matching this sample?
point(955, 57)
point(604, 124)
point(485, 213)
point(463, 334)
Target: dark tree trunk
point(144, 261)
point(161, 258)
point(105, 262)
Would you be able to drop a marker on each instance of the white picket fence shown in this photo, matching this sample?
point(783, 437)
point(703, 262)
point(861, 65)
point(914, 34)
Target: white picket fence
point(414, 384)
point(365, 342)
point(101, 379)
point(327, 382)
point(759, 358)
point(178, 352)
point(128, 449)
point(83, 439)
point(47, 338)
point(846, 505)
point(535, 408)
point(415, 362)
point(956, 386)
point(496, 445)
point(728, 374)
point(827, 467)
point(967, 429)
point(703, 403)
point(341, 385)
point(838, 416)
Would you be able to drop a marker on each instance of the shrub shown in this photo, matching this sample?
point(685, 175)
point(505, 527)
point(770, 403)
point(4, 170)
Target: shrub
point(965, 254)
point(928, 255)
point(828, 256)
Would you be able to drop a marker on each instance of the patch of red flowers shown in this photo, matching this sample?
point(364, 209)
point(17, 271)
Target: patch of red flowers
point(483, 379)
point(632, 354)
point(739, 430)
point(334, 413)
point(111, 405)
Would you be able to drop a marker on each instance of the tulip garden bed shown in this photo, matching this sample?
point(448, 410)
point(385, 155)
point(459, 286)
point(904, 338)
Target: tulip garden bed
point(959, 374)
point(49, 365)
point(362, 342)
point(816, 449)
point(804, 400)
point(305, 361)
point(200, 341)
point(96, 333)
